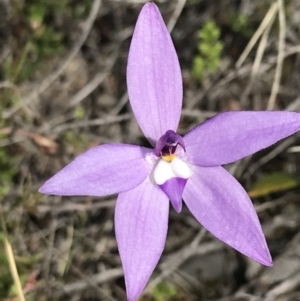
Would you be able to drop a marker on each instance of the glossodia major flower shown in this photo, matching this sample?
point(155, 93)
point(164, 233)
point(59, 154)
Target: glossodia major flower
point(177, 168)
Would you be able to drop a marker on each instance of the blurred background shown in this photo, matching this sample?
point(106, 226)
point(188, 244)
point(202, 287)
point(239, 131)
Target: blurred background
point(63, 90)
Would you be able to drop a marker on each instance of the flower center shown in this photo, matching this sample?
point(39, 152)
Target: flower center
point(167, 144)
point(171, 172)
point(169, 158)
point(164, 170)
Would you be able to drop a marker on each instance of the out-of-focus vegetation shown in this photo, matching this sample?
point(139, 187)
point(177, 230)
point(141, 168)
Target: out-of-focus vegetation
point(239, 23)
point(36, 38)
point(164, 291)
point(8, 170)
point(210, 48)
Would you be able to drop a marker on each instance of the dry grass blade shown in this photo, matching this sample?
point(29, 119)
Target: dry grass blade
point(94, 122)
point(11, 260)
point(95, 82)
point(176, 14)
point(280, 57)
point(13, 268)
point(257, 62)
point(102, 277)
point(261, 49)
point(264, 24)
point(177, 259)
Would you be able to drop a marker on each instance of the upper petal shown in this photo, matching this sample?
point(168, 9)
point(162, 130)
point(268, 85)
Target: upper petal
point(231, 136)
point(153, 75)
point(141, 223)
point(102, 170)
point(223, 207)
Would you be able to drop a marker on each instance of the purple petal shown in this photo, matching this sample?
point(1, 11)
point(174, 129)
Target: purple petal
point(102, 170)
point(223, 207)
point(141, 223)
point(173, 188)
point(153, 75)
point(231, 136)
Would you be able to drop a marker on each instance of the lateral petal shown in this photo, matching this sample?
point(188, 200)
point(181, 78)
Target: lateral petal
point(153, 75)
point(102, 170)
point(231, 136)
point(141, 223)
point(223, 207)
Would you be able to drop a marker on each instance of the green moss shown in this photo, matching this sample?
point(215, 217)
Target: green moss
point(240, 24)
point(164, 291)
point(210, 48)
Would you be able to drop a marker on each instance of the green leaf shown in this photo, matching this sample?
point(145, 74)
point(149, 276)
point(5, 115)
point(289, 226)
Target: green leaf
point(274, 182)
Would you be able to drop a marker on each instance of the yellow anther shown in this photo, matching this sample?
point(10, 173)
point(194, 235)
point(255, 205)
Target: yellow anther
point(169, 158)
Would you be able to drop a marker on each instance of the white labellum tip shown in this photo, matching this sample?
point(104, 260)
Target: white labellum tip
point(164, 170)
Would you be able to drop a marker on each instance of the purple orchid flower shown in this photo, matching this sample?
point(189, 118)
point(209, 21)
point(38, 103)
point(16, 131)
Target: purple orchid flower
point(178, 167)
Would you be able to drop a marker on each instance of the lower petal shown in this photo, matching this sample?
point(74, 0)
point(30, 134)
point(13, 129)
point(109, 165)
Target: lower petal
point(223, 207)
point(173, 188)
point(141, 223)
point(171, 177)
